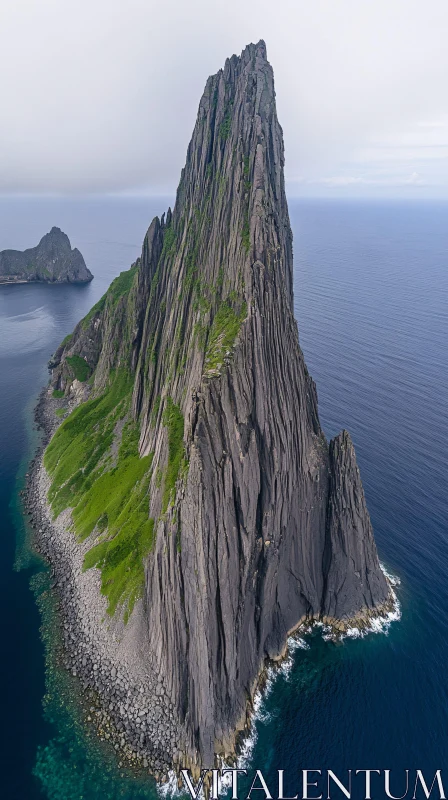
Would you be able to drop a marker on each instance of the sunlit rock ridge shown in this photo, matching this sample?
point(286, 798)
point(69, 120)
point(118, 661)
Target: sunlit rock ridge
point(238, 521)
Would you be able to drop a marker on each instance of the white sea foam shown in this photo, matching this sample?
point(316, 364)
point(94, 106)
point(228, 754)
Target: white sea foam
point(380, 624)
point(170, 788)
point(393, 579)
point(260, 714)
point(294, 643)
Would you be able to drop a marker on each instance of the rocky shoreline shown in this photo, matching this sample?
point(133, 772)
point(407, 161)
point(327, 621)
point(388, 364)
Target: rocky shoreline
point(128, 703)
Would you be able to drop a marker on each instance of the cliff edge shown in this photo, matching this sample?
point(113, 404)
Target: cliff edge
point(52, 261)
point(194, 462)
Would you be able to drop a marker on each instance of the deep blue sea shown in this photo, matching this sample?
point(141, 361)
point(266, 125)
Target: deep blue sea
point(371, 292)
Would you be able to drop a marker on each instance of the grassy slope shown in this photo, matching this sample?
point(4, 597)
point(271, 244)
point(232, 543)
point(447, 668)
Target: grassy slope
point(108, 491)
point(80, 367)
point(110, 499)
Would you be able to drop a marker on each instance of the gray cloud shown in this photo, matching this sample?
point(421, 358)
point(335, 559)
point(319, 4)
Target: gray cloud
point(101, 96)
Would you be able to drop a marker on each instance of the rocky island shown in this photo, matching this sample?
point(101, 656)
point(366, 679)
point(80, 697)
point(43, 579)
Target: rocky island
point(53, 260)
point(190, 505)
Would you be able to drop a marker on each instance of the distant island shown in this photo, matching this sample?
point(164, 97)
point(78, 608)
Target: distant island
point(52, 261)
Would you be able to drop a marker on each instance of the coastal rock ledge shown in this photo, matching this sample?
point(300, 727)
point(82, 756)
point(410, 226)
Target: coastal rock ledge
point(198, 514)
point(53, 260)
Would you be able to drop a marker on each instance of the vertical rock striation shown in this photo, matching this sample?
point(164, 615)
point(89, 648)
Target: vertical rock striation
point(258, 523)
point(349, 539)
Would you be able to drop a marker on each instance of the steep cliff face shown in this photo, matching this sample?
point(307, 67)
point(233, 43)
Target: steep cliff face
point(53, 261)
point(256, 523)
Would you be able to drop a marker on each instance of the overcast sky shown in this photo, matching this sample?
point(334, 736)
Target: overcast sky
point(101, 95)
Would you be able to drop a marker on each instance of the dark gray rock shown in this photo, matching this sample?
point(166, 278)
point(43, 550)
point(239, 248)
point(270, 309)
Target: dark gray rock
point(253, 518)
point(267, 525)
point(52, 261)
point(349, 538)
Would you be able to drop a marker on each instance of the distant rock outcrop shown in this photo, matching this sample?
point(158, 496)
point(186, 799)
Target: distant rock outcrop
point(52, 261)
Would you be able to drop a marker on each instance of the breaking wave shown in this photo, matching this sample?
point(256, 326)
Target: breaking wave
point(380, 624)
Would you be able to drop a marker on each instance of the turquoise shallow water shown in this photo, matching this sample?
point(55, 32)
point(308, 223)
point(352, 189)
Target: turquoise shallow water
point(371, 291)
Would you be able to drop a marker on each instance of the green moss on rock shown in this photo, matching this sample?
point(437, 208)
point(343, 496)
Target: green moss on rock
point(169, 241)
point(225, 127)
point(120, 286)
point(79, 367)
point(245, 236)
point(174, 421)
point(224, 330)
point(111, 501)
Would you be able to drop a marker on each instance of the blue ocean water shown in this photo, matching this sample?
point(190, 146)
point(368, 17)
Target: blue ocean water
point(371, 286)
point(371, 292)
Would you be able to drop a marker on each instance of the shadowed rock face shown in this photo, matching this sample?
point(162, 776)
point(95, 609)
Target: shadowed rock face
point(266, 524)
point(51, 261)
point(349, 538)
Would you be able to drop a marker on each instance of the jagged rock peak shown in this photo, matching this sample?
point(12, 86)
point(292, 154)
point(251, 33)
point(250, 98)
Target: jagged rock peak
point(349, 536)
point(257, 524)
point(237, 150)
point(52, 261)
